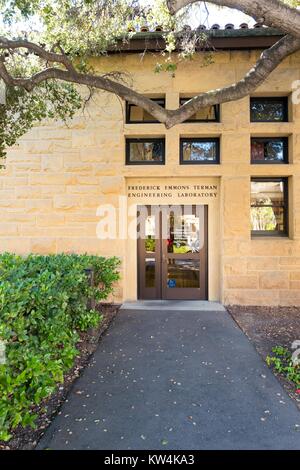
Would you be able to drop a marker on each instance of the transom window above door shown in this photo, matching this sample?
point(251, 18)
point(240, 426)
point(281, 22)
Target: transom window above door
point(207, 114)
point(199, 151)
point(136, 114)
point(269, 150)
point(148, 151)
point(269, 109)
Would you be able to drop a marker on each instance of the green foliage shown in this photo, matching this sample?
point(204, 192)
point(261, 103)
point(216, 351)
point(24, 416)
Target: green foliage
point(50, 100)
point(81, 28)
point(262, 216)
point(23, 8)
point(43, 303)
point(282, 362)
point(150, 244)
point(292, 3)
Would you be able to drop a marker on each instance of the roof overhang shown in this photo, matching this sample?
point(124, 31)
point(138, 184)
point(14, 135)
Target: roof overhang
point(237, 39)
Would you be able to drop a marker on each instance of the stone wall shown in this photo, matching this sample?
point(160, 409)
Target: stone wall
point(57, 176)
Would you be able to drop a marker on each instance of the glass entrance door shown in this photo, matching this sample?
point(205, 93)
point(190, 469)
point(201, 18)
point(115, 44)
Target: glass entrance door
point(183, 253)
point(172, 252)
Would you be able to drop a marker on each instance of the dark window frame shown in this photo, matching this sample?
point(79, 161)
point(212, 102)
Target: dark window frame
point(285, 160)
point(200, 139)
point(183, 99)
point(279, 99)
point(149, 121)
point(275, 233)
point(150, 139)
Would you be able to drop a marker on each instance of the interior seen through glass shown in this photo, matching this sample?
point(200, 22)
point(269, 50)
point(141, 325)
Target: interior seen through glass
point(146, 151)
point(183, 273)
point(183, 233)
point(182, 238)
point(204, 114)
point(268, 110)
point(138, 114)
point(199, 151)
point(267, 205)
point(267, 150)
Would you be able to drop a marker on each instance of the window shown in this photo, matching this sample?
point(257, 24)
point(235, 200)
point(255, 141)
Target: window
point(209, 114)
point(145, 151)
point(205, 151)
point(269, 206)
point(135, 114)
point(269, 150)
point(269, 109)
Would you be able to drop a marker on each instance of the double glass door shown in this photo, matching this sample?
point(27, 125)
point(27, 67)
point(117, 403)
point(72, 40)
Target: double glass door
point(172, 252)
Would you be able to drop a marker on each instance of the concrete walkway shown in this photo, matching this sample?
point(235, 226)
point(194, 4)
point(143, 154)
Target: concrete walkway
point(175, 379)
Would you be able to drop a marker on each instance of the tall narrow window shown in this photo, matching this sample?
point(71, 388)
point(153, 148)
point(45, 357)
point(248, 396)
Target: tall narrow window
point(205, 151)
point(269, 150)
point(207, 114)
point(145, 151)
point(269, 109)
point(136, 114)
point(269, 206)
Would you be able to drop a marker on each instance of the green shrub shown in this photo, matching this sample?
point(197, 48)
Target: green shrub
point(43, 305)
point(282, 362)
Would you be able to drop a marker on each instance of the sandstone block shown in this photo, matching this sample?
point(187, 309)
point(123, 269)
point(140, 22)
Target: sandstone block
point(11, 204)
point(289, 298)
point(290, 261)
point(83, 138)
point(50, 220)
point(274, 280)
point(263, 263)
point(39, 205)
point(66, 202)
point(43, 246)
point(235, 265)
point(102, 169)
point(241, 282)
point(295, 285)
point(112, 184)
point(84, 189)
point(16, 245)
point(78, 167)
point(251, 297)
point(45, 179)
point(52, 163)
point(8, 229)
point(295, 276)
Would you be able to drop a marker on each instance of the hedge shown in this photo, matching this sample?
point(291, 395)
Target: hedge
point(43, 307)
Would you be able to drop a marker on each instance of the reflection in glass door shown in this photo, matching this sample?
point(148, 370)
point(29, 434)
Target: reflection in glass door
point(183, 253)
point(172, 252)
point(149, 249)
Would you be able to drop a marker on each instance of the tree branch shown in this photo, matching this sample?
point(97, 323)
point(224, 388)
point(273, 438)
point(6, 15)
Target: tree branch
point(268, 61)
point(272, 13)
point(6, 44)
point(92, 81)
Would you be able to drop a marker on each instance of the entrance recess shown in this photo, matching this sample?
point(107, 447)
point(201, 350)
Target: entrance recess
point(172, 252)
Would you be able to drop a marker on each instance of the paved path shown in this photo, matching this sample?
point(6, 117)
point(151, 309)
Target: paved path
point(175, 380)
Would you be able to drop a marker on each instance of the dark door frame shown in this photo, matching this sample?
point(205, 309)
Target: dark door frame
point(161, 258)
point(143, 291)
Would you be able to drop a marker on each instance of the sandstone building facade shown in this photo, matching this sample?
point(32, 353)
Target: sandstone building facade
point(236, 166)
